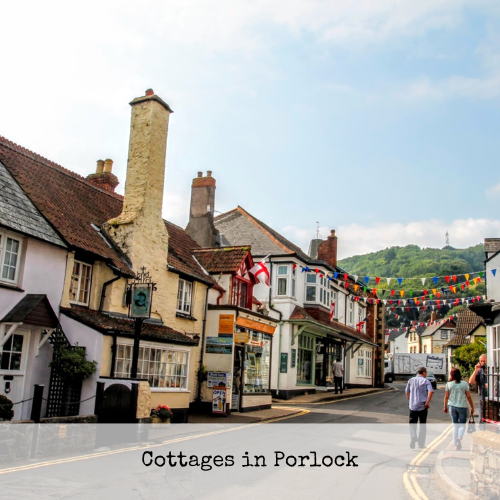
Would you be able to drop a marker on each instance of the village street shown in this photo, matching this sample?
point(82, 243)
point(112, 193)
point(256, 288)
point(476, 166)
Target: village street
point(373, 429)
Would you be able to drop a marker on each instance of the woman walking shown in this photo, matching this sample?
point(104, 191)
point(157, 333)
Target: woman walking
point(455, 400)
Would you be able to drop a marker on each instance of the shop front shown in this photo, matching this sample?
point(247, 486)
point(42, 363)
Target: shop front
point(249, 337)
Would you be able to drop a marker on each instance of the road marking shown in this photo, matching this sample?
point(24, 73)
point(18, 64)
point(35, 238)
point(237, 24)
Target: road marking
point(409, 479)
point(123, 450)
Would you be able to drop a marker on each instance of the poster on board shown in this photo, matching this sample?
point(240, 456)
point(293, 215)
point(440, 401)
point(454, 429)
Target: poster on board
point(219, 400)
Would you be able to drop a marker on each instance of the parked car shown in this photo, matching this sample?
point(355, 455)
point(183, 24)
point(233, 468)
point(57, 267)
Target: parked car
point(432, 379)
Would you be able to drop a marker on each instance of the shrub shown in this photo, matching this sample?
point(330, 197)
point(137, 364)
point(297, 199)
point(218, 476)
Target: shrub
point(71, 363)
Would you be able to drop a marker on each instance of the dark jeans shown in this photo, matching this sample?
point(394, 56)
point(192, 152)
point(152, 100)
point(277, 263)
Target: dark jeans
point(338, 384)
point(418, 416)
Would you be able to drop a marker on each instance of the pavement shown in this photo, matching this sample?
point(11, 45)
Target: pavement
point(452, 470)
point(282, 409)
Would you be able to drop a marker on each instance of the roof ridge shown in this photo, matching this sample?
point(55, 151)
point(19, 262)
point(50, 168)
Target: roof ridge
point(51, 164)
point(223, 249)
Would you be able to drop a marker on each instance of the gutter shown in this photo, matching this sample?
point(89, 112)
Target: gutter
point(280, 323)
point(203, 332)
point(105, 285)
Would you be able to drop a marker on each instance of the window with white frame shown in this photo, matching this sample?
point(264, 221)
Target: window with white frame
point(334, 302)
point(444, 334)
point(162, 367)
point(351, 313)
point(285, 281)
point(494, 342)
point(184, 296)
point(10, 255)
point(311, 287)
point(318, 289)
point(11, 352)
point(79, 290)
point(365, 359)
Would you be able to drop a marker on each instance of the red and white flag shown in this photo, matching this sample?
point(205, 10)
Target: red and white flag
point(332, 311)
point(261, 272)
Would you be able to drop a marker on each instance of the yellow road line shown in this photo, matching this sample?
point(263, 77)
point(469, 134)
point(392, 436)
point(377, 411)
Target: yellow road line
point(123, 450)
point(409, 479)
point(340, 400)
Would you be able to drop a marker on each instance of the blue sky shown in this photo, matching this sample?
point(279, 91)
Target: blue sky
point(378, 119)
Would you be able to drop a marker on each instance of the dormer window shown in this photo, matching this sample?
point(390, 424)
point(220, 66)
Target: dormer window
point(79, 291)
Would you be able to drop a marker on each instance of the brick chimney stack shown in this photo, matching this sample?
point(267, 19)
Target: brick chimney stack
point(103, 177)
point(434, 316)
point(327, 250)
point(201, 213)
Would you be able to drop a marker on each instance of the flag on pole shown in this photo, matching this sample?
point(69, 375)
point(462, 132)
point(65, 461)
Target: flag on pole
point(261, 272)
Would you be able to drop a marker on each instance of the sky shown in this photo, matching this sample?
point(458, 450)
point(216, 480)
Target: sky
point(377, 119)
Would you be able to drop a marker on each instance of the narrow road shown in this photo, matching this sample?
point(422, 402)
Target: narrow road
point(386, 407)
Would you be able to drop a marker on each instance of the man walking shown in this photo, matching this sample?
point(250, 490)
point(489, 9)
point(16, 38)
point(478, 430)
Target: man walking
point(479, 378)
point(419, 392)
point(338, 372)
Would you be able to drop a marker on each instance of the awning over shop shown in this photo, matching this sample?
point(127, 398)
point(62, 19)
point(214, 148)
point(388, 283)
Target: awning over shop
point(310, 320)
point(255, 325)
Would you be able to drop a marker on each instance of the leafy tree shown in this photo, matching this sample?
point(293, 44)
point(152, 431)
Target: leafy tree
point(467, 356)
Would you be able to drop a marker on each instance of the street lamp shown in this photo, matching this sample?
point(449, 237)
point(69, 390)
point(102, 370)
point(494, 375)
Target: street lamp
point(139, 299)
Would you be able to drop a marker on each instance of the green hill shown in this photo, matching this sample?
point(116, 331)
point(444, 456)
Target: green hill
point(412, 261)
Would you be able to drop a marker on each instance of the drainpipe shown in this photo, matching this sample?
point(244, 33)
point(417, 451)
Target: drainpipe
point(106, 284)
point(198, 392)
point(280, 324)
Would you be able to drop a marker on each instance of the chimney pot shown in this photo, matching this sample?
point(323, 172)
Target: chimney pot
point(209, 173)
point(108, 165)
point(150, 92)
point(200, 174)
point(100, 167)
point(332, 233)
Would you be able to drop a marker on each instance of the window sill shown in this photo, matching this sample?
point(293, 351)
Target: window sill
point(170, 389)
point(12, 287)
point(185, 316)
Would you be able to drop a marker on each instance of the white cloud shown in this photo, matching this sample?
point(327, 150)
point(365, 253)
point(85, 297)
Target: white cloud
point(494, 191)
point(356, 239)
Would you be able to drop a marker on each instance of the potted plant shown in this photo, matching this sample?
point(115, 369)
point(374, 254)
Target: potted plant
point(6, 408)
point(161, 414)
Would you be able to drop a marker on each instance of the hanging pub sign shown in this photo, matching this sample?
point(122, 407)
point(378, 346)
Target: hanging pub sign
point(140, 300)
point(140, 294)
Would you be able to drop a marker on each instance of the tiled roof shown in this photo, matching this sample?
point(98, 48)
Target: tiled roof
point(238, 227)
point(72, 205)
point(180, 254)
point(457, 340)
point(467, 322)
point(431, 330)
point(32, 309)
point(323, 317)
point(18, 213)
point(222, 259)
point(491, 245)
point(67, 200)
point(110, 324)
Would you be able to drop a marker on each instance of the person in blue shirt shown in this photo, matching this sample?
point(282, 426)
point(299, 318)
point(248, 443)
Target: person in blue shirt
point(419, 392)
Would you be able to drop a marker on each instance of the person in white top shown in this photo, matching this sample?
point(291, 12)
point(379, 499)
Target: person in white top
point(338, 372)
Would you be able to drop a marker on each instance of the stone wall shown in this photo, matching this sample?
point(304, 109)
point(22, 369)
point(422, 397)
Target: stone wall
point(485, 464)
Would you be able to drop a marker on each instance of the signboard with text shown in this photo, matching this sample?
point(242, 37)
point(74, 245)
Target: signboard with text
point(219, 400)
point(219, 345)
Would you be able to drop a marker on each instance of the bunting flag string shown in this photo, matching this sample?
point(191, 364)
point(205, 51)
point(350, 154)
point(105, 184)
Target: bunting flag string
point(423, 304)
point(422, 324)
point(452, 280)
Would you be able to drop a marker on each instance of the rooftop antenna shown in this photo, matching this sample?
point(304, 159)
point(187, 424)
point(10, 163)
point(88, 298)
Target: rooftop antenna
point(447, 239)
point(317, 230)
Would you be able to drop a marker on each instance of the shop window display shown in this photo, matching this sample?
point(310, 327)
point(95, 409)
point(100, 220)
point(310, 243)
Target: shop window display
point(257, 363)
point(305, 359)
